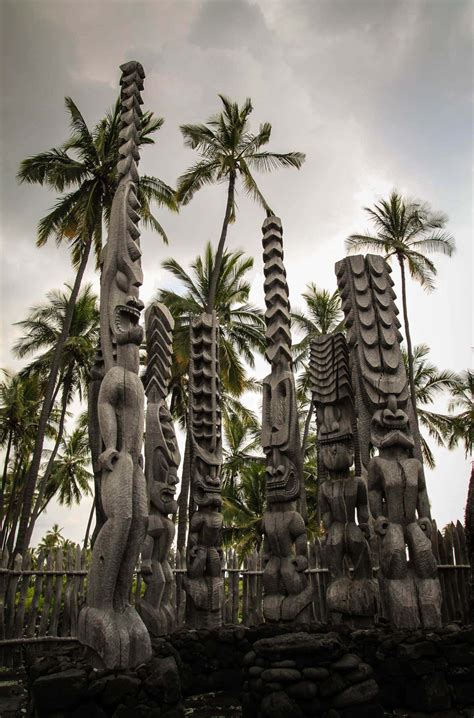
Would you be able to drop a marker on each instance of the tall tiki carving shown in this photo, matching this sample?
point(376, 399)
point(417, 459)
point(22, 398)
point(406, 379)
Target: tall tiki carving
point(352, 598)
point(287, 591)
point(161, 470)
point(108, 623)
point(203, 583)
point(397, 491)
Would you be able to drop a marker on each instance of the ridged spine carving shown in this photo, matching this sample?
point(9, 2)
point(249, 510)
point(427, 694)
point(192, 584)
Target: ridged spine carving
point(204, 383)
point(329, 369)
point(368, 302)
point(277, 315)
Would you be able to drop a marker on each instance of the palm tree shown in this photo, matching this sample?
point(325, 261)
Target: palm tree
point(70, 478)
point(462, 423)
point(52, 539)
point(243, 506)
point(323, 315)
point(430, 382)
point(42, 331)
point(461, 430)
point(242, 331)
point(84, 169)
point(20, 405)
point(406, 230)
point(229, 150)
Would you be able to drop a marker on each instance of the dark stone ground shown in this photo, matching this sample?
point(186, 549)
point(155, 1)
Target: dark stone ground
point(211, 674)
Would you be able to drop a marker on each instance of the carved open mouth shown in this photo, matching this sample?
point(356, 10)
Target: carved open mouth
point(127, 315)
point(167, 495)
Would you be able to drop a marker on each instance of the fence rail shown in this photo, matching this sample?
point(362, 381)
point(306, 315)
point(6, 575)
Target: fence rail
point(42, 603)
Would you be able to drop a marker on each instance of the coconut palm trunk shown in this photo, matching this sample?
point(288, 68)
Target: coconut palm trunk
point(32, 475)
point(220, 247)
point(38, 508)
point(183, 498)
point(411, 373)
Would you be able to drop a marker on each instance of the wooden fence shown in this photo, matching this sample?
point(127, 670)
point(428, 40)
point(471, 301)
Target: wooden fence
point(43, 603)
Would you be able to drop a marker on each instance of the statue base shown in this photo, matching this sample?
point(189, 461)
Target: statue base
point(205, 598)
point(412, 602)
point(159, 622)
point(121, 639)
point(354, 602)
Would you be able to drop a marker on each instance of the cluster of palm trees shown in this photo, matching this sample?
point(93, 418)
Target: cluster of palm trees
point(62, 334)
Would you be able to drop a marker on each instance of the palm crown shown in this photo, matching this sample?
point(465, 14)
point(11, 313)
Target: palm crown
point(229, 151)
point(86, 165)
point(406, 229)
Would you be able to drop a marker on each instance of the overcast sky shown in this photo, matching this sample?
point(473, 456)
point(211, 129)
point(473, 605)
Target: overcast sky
point(377, 94)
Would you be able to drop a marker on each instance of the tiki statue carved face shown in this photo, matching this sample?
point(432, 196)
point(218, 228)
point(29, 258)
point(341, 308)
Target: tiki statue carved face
point(335, 435)
point(207, 481)
point(390, 427)
point(281, 473)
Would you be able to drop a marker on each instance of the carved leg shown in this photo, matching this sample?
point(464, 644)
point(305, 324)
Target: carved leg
point(99, 627)
point(335, 549)
point(397, 582)
point(149, 606)
point(147, 553)
point(112, 540)
point(393, 559)
point(213, 566)
point(136, 536)
point(273, 596)
point(140, 646)
point(426, 576)
point(167, 606)
point(358, 550)
point(421, 553)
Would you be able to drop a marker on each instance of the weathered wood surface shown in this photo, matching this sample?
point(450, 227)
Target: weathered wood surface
point(41, 596)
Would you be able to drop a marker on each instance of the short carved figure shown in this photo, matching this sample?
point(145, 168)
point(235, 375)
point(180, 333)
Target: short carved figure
point(352, 598)
point(287, 591)
point(162, 457)
point(203, 583)
point(399, 503)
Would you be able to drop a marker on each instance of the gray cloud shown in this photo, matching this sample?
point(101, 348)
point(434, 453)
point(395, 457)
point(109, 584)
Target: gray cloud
point(378, 94)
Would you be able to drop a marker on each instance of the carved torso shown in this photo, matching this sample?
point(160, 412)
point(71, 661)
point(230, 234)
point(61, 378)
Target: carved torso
point(208, 524)
point(281, 529)
point(342, 498)
point(123, 390)
point(399, 481)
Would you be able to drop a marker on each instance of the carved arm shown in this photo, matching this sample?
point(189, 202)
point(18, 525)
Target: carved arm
point(374, 481)
point(106, 408)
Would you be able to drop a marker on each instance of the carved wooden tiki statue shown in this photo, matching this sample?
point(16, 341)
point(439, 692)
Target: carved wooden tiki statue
point(397, 492)
point(287, 591)
point(108, 623)
point(351, 597)
point(203, 583)
point(162, 458)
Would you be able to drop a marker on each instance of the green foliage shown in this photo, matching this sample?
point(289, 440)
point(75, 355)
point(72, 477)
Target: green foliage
point(226, 147)
point(406, 229)
point(84, 169)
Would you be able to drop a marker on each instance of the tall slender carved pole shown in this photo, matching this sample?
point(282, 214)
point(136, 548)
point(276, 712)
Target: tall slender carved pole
point(203, 583)
point(161, 469)
point(288, 593)
point(397, 491)
point(108, 623)
point(350, 598)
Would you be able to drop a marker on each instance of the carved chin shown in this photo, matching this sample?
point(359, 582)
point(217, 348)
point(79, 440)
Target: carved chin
point(205, 495)
point(336, 457)
point(384, 439)
point(281, 487)
point(126, 327)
